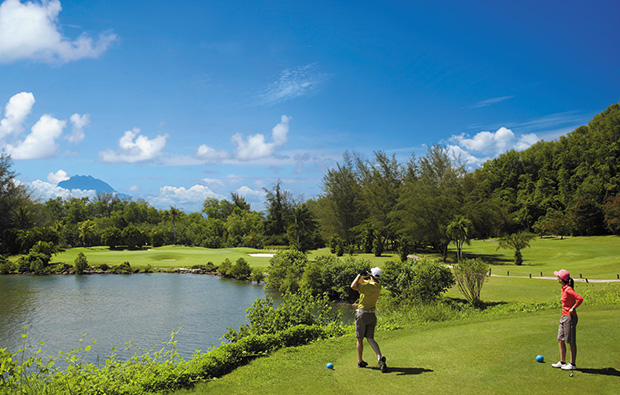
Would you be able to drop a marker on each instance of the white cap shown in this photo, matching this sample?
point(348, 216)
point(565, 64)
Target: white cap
point(376, 272)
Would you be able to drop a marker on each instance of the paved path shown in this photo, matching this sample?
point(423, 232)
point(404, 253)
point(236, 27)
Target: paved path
point(582, 280)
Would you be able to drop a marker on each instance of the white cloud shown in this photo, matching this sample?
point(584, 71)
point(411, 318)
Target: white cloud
point(256, 147)
point(487, 145)
point(292, 84)
point(41, 143)
point(79, 122)
point(46, 191)
point(31, 31)
point(55, 178)
point(188, 199)
point(246, 191)
point(209, 154)
point(134, 188)
point(16, 111)
point(134, 148)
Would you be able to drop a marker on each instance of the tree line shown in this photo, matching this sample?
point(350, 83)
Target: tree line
point(566, 187)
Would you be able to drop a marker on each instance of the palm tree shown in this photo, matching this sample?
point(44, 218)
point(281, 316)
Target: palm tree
point(458, 230)
point(303, 223)
point(173, 214)
point(517, 242)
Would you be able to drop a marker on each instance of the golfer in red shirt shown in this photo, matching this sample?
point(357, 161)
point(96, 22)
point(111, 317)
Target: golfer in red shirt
point(567, 332)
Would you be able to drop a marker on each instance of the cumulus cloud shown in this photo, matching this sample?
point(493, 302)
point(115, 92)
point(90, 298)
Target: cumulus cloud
point(191, 198)
point(256, 147)
point(41, 143)
point(133, 147)
point(15, 113)
point(78, 123)
point(209, 154)
point(31, 31)
point(45, 191)
point(55, 178)
point(292, 84)
point(486, 145)
point(247, 192)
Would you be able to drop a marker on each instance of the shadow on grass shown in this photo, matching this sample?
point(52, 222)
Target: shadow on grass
point(405, 371)
point(604, 371)
point(493, 259)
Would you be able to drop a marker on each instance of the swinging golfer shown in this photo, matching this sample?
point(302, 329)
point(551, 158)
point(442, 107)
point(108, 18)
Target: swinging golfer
point(567, 332)
point(367, 284)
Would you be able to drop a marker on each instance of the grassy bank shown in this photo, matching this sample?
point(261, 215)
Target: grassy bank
point(476, 356)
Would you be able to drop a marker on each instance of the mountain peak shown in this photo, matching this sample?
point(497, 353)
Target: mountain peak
point(88, 183)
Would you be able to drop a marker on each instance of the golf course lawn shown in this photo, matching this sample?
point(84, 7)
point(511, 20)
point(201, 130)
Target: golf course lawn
point(164, 257)
point(596, 257)
point(481, 356)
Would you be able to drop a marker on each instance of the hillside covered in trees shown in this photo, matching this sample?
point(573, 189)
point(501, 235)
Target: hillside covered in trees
point(566, 187)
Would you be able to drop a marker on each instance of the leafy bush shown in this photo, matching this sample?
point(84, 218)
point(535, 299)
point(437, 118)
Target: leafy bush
point(285, 271)
point(124, 267)
point(296, 308)
point(470, 277)
point(80, 263)
point(377, 246)
point(240, 270)
point(6, 266)
point(224, 268)
point(423, 280)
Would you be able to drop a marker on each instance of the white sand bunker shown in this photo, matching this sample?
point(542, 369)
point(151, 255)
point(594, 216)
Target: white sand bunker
point(261, 255)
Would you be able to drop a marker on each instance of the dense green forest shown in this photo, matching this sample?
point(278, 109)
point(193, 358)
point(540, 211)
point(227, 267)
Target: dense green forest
point(566, 187)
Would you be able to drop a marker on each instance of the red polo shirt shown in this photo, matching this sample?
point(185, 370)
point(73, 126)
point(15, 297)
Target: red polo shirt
point(569, 298)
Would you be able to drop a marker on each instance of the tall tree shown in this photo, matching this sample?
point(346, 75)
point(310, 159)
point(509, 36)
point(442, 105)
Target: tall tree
point(302, 226)
point(173, 215)
point(429, 202)
point(340, 208)
point(380, 185)
point(279, 204)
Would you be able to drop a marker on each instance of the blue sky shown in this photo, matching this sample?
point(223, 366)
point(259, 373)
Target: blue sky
point(174, 102)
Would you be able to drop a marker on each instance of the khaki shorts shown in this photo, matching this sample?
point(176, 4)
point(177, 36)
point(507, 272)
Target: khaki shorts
point(567, 330)
point(365, 325)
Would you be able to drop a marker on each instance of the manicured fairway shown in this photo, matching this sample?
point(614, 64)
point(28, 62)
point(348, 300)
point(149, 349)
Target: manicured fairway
point(593, 257)
point(463, 357)
point(163, 257)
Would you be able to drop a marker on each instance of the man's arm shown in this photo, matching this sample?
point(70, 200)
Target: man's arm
point(356, 283)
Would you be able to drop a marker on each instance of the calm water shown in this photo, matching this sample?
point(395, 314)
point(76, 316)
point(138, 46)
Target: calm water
point(114, 309)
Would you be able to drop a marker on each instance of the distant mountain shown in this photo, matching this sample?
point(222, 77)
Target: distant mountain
point(89, 183)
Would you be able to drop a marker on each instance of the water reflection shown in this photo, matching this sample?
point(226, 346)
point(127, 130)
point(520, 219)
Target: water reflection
point(114, 309)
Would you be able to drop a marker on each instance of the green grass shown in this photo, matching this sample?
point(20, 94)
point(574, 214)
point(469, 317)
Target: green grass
point(163, 257)
point(478, 356)
point(507, 289)
point(593, 257)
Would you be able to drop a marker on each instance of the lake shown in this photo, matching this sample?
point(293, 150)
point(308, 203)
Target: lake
point(114, 309)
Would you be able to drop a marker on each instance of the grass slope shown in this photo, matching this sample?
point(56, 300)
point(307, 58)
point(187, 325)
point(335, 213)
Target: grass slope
point(491, 356)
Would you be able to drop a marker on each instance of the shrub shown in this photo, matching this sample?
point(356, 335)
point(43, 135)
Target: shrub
point(423, 280)
point(470, 277)
point(240, 270)
point(80, 263)
point(6, 266)
point(377, 246)
point(224, 268)
point(124, 267)
point(296, 309)
point(285, 271)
